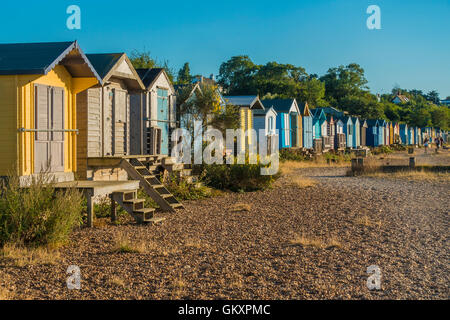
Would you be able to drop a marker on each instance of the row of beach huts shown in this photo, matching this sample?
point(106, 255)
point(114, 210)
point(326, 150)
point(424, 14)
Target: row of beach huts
point(70, 109)
point(96, 123)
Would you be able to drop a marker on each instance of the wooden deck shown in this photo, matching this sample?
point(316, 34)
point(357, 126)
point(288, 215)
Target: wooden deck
point(114, 161)
point(91, 189)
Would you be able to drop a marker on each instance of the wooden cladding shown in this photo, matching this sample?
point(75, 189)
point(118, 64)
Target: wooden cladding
point(49, 116)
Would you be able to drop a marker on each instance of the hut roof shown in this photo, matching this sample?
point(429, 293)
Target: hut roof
point(41, 57)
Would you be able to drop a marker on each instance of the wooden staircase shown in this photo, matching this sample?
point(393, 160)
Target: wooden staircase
point(135, 207)
point(147, 174)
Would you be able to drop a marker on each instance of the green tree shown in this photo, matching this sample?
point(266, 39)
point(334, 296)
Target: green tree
point(184, 74)
point(344, 81)
point(433, 96)
point(365, 106)
point(236, 76)
point(440, 117)
point(143, 59)
point(205, 105)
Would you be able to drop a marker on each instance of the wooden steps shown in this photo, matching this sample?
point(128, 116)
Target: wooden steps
point(135, 207)
point(150, 182)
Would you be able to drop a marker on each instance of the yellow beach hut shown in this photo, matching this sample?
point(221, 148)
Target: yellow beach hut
point(38, 87)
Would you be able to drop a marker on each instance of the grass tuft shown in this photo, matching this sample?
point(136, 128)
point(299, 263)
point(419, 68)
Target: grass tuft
point(124, 245)
point(24, 256)
point(241, 207)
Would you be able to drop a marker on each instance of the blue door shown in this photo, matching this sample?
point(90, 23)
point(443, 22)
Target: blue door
point(163, 119)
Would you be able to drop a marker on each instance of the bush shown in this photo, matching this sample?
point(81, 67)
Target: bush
point(237, 177)
point(38, 214)
point(182, 190)
point(292, 155)
point(382, 150)
point(337, 158)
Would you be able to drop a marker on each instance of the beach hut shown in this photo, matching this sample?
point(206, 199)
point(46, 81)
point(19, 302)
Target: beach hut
point(319, 123)
point(39, 83)
point(381, 132)
point(404, 133)
point(307, 134)
point(372, 133)
point(103, 112)
point(387, 133)
point(418, 136)
point(363, 133)
point(185, 93)
point(265, 119)
point(288, 115)
point(411, 135)
point(396, 129)
point(246, 105)
point(391, 133)
point(356, 132)
point(153, 114)
point(339, 138)
point(331, 130)
point(348, 131)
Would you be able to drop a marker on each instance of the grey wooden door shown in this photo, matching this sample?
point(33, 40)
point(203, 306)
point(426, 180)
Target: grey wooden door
point(49, 116)
point(120, 122)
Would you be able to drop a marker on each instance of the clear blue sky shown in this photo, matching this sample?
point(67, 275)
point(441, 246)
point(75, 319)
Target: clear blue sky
point(412, 49)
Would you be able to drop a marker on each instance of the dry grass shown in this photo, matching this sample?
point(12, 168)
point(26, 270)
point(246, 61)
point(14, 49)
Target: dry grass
point(5, 294)
point(241, 207)
point(178, 287)
point(23, 256)
point(123, 244)
point(101, 223)
point(302, 182)
point(301, 240)
point(193, 243)
point(236, 281)
point(367, 222)
point(117, 281)
point(411, 175)
point(289, 166)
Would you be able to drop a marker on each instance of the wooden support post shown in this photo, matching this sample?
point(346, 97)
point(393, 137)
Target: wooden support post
point(90, 210)
point(113, 209)
point(361, 162)
point(354, 164)
point(412, 162)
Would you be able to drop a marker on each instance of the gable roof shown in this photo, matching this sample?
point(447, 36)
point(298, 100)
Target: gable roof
point(304, 109)
point(355, 119)
point(281, 105)
point(318, 113)
point(40, 58)
point(106, 63)
point(252, 102)
point(331, 110)
point(401, 97)
point(103, 62)
point(149, 76)
point(372, 123)
point(263, 112)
